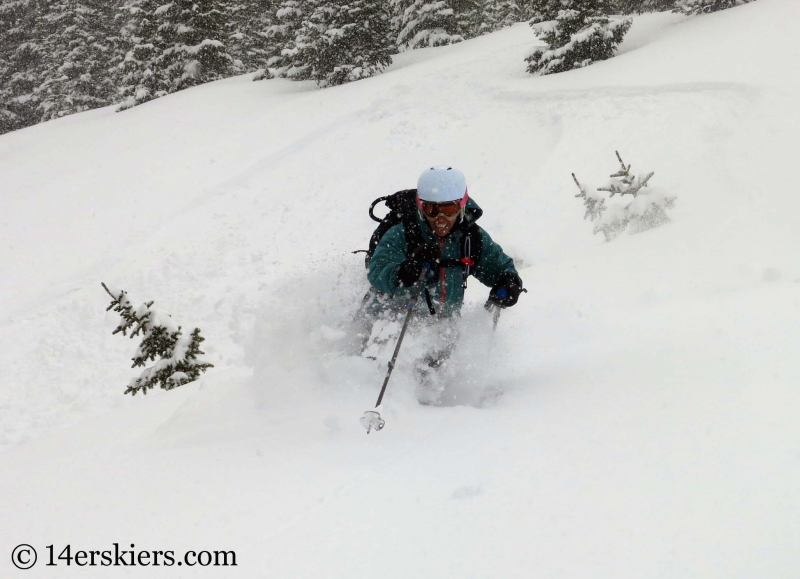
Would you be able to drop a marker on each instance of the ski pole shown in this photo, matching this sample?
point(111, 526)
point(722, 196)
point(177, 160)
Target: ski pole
point(495, 308)
point(372, 418)
point(492, 307)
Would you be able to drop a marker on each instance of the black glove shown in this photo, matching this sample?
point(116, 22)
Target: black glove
point(505, 292)
point(429, 255)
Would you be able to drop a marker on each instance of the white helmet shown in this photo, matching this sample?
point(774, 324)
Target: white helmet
point(442, 184)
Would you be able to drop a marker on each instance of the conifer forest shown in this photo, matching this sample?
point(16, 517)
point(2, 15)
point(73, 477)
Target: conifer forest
point(59, 57)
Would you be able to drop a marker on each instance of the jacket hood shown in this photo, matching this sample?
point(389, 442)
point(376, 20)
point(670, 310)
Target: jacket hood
point(472, 212)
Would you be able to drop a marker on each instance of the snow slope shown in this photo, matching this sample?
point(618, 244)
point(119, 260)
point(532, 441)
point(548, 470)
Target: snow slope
point(648, 425)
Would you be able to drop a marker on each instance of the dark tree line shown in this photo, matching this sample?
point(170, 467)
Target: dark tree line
point(59, 57)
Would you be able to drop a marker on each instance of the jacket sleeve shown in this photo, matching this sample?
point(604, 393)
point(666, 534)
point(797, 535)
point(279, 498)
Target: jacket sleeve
point(493, 262)
point(389, 254)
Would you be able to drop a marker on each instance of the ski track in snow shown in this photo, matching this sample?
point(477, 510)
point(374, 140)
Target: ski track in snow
point(647, 425)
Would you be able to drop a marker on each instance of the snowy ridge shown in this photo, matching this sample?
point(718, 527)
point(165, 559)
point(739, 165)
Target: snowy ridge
point(634, 416)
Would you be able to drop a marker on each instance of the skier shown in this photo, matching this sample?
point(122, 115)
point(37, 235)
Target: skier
point(442, 240)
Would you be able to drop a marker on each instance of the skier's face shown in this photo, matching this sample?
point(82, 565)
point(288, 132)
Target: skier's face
point(441, 217)
point(442, 224)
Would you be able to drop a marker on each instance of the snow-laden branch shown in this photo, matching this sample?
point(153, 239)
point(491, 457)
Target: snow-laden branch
point(623, 183)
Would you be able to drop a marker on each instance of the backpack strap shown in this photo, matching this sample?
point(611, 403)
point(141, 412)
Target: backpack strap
point(406, 208)
point(471, 251)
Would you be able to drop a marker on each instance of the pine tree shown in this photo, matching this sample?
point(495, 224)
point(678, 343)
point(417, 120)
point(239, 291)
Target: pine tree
point(177, 357)
point(691, 7)
point(22, 63)
point(345, 40)
point(510, 12)
point(421, 23)
point(174, 46)
point(140, 75)
point(498, 14)
point(304, 50)
point(524, 10)
point(581, 34)
point(543, 10)
point(642, 6)
point(249, 42)
point(284, 59)
point(471, 17)
point(198, 53)
point(81, 45)
point(477, 17)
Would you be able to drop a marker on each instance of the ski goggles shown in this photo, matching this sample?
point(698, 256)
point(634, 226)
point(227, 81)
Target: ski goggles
point(450, 209)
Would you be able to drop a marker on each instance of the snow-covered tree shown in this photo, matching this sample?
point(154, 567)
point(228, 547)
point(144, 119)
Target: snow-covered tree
point(477, 17)
point(344, 40)
point(22, 63)
point(174, 46)
point(539, 11)
point(140, 74)
point(642, 6)
point(481, 17)
point(249, 41)
point(176, 357)
point(581, 34)
point(421, 23)
point(647, 209)
point(81, 45)
point(594, 202)
point(501, 13)
point(285, 60)
point(705, 6)
point(472, 17)
point(200, 54)
point(524, 10)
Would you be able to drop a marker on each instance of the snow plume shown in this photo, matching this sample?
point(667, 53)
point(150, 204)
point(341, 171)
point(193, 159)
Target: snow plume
point(475, 373)
point(308, 345)
point(301, 325)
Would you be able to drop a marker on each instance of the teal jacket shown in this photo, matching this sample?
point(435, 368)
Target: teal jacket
point(393, 250)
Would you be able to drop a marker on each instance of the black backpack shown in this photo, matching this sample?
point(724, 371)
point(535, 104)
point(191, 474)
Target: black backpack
point(403, 209)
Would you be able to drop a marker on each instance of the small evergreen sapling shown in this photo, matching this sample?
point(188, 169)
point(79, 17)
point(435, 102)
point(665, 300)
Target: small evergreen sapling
point(176, 356)
point(594, 202)
point(647, 209)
